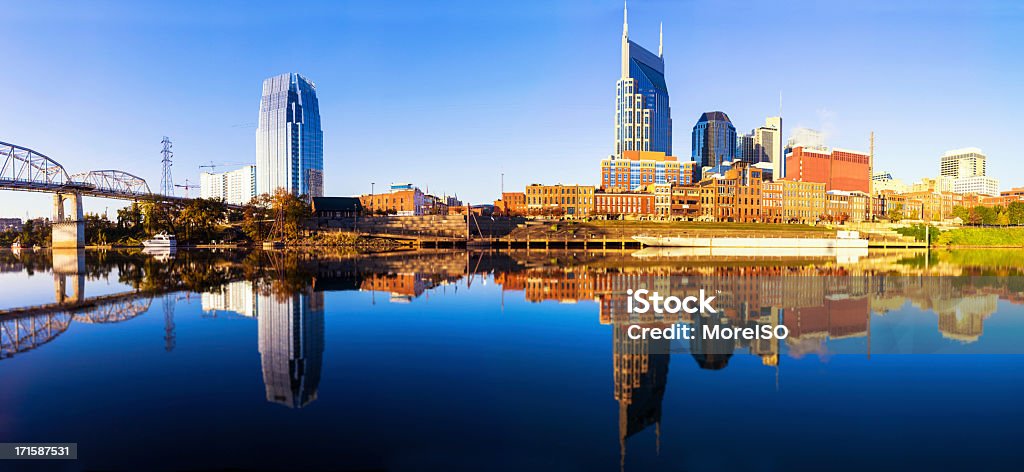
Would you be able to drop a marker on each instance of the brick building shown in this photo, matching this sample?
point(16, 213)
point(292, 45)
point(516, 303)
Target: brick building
point(838, 169)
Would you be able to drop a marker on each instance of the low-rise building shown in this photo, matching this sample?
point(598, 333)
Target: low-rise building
point(336, 207)
point(511, 204)
point(662, 198)
point(802, 202)
point(574, 201)
point(10, 224)
point(615, 204)
point(843, 206)
point(685, 203)
point(733, 196)
point(402, 200)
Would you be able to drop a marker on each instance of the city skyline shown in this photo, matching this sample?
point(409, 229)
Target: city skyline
point(921, 98)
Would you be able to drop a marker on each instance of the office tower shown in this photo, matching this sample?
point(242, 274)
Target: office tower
point(235, 187)
point(962, 163)
point(745, 149)
point(291, 345)
point(768, 145)
point(643, 120)
point(714, 140)
point(289, 141)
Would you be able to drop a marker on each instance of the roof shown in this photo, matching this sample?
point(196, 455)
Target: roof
point(714, 116)
point(336, 204)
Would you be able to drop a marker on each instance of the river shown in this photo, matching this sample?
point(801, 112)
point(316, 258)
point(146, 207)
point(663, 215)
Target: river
point(454, 360)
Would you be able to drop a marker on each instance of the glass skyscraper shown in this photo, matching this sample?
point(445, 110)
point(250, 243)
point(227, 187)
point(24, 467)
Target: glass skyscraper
point(714, 141)
point(643, 120)
point(289, 140)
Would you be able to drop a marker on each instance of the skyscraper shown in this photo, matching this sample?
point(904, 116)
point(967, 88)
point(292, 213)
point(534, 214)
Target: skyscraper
point(714, 141)
point(768, 145)
point(962, 163)
point(643, 120)
point(289, 140)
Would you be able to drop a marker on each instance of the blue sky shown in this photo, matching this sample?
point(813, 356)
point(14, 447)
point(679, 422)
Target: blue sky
point(448, 95)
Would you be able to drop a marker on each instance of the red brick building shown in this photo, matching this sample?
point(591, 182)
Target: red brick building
point(838, 169)
point(623, 203)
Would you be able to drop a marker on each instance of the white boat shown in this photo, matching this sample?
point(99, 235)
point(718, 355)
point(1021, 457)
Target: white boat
point(161, 240)
point(843, 240)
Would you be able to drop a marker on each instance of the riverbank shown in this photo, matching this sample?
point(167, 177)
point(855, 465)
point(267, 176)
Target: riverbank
point(980, 238)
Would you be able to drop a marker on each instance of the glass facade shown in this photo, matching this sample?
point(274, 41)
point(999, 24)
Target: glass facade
point(289, 140)
point(643, 119)
point(714, 140)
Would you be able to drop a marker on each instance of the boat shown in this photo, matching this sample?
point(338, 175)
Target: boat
point(161, 240)
point(843, 240)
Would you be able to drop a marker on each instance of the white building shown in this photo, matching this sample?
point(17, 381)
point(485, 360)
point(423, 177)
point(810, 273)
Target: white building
point(961, 163)
point(807, 139)
point(236, 297)
point(236, 187)
point(768, 144)
point(883, 180)
point(978, 184)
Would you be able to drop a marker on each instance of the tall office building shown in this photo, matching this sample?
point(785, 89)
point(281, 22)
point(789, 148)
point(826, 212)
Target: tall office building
point(768, 145)
point(963, 163)
point(714, 140)
point(643, 120)
point(235, 187)
point(289, 141)
point(745, 148)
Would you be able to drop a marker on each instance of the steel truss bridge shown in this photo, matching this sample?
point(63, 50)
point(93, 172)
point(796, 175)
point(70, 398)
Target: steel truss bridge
point(25, 329)
point(27, 170)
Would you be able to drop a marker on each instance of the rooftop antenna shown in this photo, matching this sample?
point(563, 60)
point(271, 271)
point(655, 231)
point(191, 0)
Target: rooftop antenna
point(166, 182)
point(661, 39)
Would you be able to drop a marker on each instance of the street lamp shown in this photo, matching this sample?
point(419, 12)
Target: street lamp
point(371, 197)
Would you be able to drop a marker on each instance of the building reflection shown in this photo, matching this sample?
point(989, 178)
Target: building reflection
point(290, 332)
point(291, 345)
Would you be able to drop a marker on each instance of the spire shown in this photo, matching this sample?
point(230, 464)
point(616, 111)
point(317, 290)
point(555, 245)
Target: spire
point(661, 39)
point(625, 18)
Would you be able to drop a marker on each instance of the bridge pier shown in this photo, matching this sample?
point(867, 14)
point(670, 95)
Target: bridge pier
point(68, 266)
point(67, 231)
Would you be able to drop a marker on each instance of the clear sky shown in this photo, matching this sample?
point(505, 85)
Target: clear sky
point(448, 95)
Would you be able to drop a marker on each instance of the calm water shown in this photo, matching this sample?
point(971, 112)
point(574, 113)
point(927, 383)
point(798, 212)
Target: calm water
point(474, 361)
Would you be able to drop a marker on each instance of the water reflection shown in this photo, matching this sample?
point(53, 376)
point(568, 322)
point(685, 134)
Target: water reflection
point(884, 303)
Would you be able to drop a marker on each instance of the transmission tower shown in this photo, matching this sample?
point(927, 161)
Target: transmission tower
point(169, 338)
point(166, 182)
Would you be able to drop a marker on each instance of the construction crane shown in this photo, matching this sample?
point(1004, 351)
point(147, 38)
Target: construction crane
point(214, 165)
point(186, 186)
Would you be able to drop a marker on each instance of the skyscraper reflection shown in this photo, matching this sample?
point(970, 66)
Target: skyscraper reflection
point(291, 345)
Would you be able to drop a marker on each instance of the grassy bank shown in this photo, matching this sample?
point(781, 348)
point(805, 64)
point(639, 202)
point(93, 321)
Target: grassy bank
point(980, 237)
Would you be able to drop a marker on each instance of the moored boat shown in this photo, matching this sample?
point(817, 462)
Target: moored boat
point(161, 240)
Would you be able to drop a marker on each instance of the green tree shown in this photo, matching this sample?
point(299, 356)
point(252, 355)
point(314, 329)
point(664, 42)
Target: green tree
point(1015, 212)
point(895, 213)
point(961, 212)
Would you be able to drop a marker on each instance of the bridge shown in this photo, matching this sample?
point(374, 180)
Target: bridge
point(26, 170)
point(23, 329)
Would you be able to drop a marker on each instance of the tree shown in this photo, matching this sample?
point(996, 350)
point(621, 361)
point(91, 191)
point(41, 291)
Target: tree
point(961, 212)
point(1015, 213)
